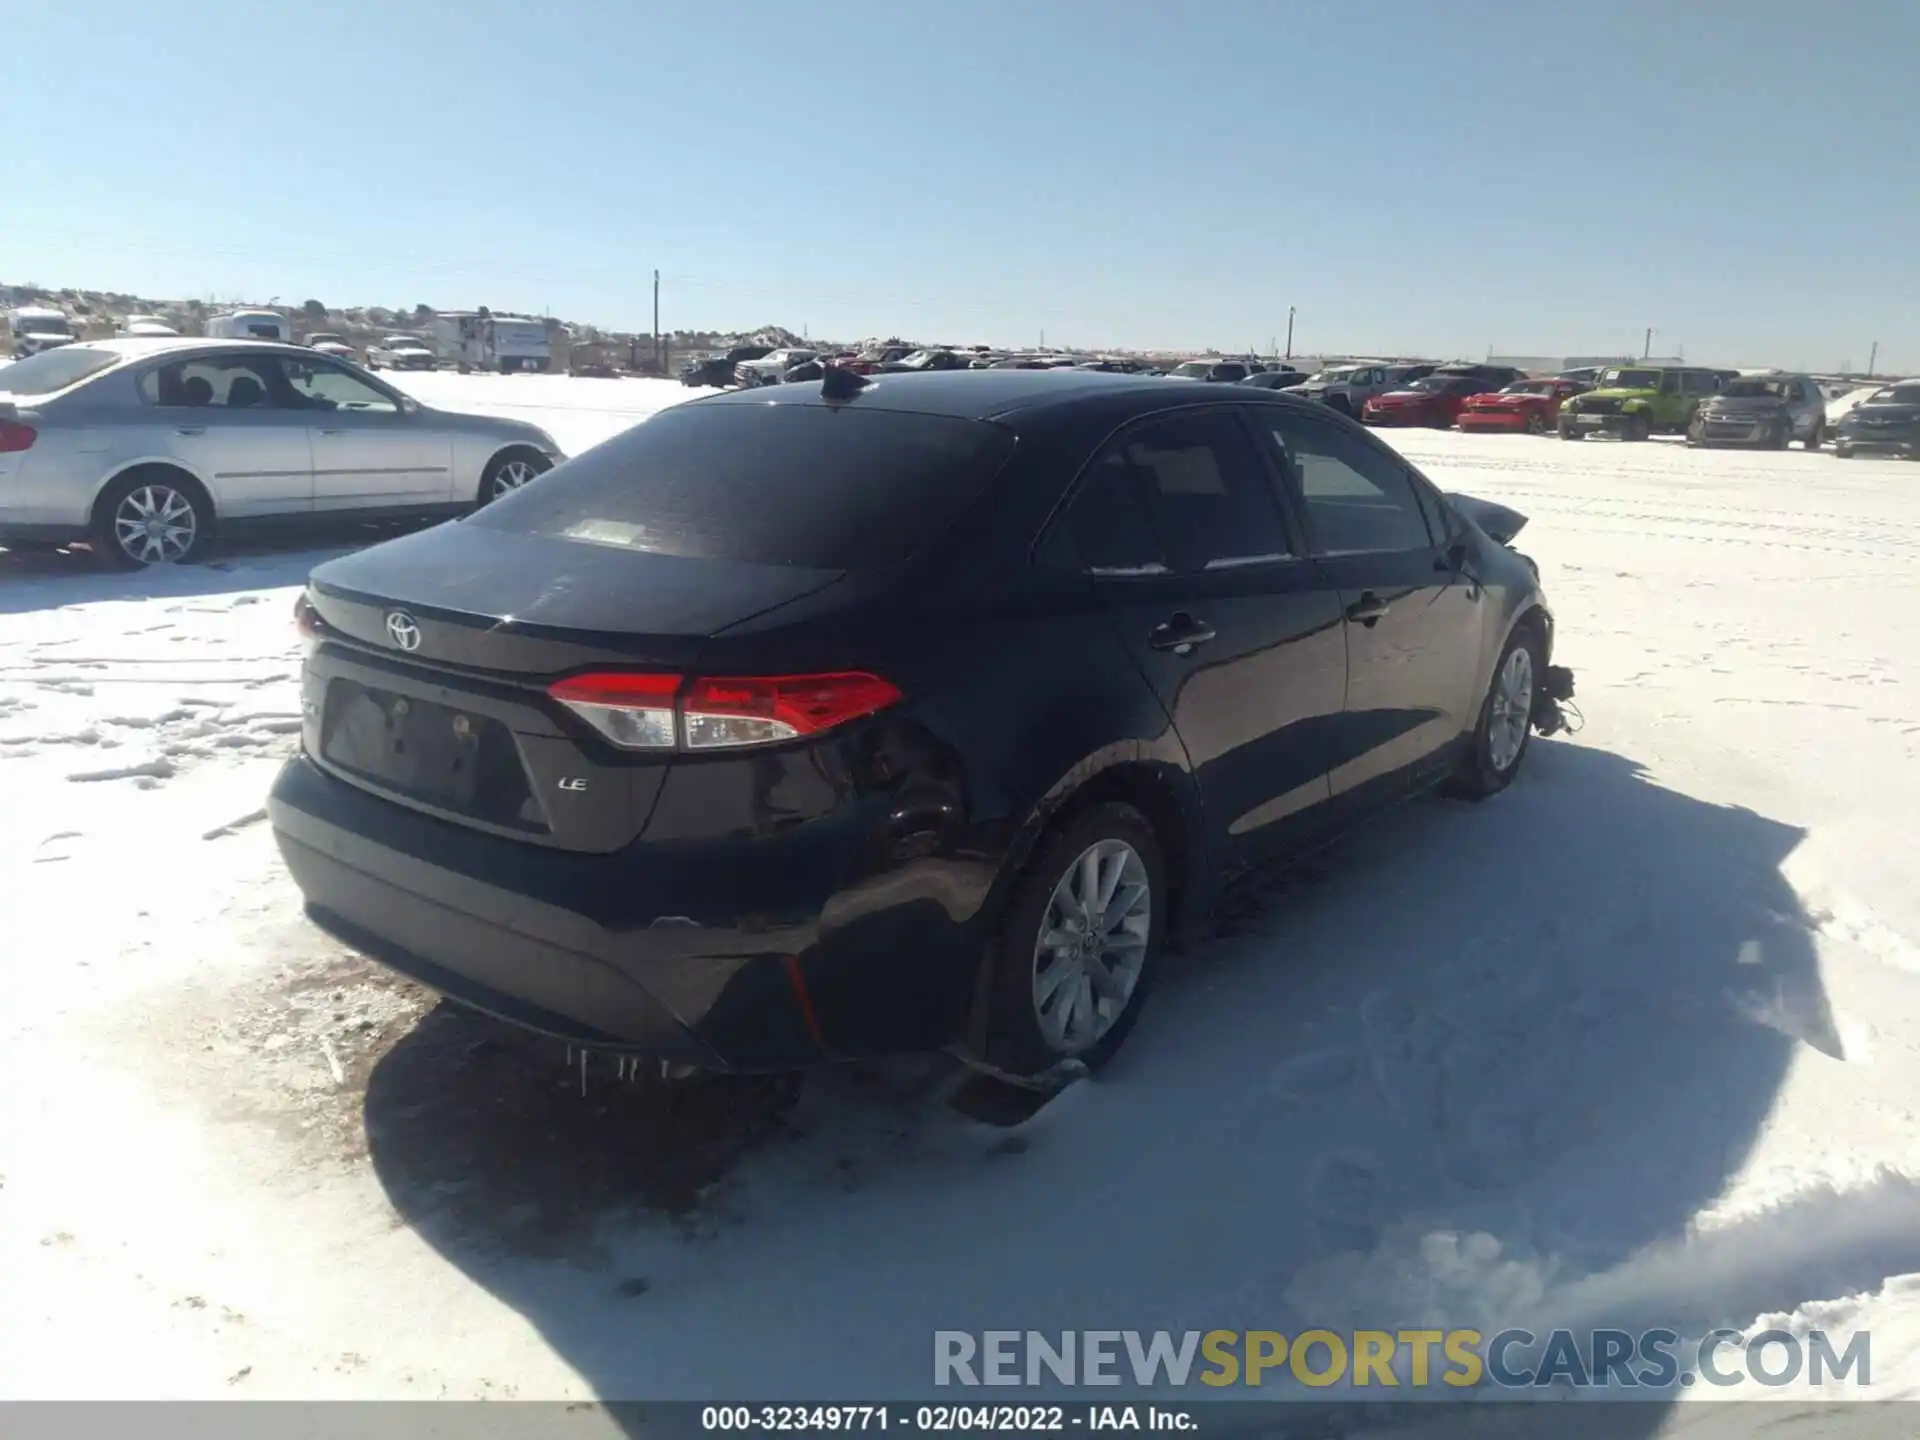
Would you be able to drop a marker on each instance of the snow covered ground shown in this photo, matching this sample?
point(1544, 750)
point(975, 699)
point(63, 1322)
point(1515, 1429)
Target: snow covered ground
point(1638, 1042)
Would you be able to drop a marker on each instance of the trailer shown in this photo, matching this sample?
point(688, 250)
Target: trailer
point(251, 325)
point(481, 340)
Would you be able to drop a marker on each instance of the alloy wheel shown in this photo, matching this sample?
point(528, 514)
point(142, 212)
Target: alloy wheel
point(1512, 709)
point(1092, 946)
point(512, 475)
point(155, 525)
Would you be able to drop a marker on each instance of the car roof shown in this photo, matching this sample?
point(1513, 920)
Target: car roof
point(1001, 394)
point(141, 346)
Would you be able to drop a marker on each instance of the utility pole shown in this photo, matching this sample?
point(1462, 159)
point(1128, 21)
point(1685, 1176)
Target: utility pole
point(1872, 355)
point(1646, 350)
point(1289, 332)
point(659, 355)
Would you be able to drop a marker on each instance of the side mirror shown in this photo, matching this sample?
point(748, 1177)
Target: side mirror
point(1453, 557)
point(409, 405)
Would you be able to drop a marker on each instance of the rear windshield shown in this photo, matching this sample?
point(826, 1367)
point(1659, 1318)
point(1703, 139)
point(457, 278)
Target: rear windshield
point(1630, 380)
point(803, 485)
point(1752, 388)
point(53, 370)
point(1892, 395)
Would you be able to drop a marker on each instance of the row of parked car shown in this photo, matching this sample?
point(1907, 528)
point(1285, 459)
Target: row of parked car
point(1708, 406)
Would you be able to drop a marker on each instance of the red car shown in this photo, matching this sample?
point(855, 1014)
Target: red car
point(1434, 400)
point(1529, 405)
point(868, 361)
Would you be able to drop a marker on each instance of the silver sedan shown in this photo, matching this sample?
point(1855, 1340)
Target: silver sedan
point(144, 447)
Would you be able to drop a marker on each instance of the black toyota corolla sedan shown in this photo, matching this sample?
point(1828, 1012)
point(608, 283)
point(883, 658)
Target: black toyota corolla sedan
point(891, 714)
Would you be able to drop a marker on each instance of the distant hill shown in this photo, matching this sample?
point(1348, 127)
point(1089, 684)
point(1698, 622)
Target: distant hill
point(97, 314)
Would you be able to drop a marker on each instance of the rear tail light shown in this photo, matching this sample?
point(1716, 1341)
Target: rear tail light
point(666, 712)
point(635, 712)
point(307, 621)
point(15, 437)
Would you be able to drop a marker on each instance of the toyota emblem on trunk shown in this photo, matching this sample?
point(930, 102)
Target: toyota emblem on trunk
point(403, 630)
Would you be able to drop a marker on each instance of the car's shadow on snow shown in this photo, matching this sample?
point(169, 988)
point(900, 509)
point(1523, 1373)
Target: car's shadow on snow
point(1557, 1021)
point(48, 579)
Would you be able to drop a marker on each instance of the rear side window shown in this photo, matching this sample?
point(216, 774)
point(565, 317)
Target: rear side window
point(1358, 499)
point(53, 370)
point(1176, 495)
point(803, 485)
point(216, 382)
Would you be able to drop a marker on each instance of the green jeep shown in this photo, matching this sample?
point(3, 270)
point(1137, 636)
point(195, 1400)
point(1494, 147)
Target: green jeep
point(1633, 401)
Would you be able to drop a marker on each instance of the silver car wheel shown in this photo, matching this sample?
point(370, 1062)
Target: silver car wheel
point(512, 475)
point(155, 525)
point(1092, 946)
point(1512, 709)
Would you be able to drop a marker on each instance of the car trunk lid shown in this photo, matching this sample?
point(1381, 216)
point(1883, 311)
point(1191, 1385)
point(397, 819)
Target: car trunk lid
point(430, 659)
point(517, 604)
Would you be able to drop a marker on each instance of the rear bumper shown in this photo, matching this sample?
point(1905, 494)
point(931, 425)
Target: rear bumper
point(748, 954)
point(546, 940)
point(1900, 446)
point(1490, 420)
point(1611, 424)
point(1739, 432)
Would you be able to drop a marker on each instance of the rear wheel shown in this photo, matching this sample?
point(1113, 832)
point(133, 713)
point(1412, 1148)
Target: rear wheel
point(1500, 739)
point(150, 517)
point(509, 470)
point(1078, 947)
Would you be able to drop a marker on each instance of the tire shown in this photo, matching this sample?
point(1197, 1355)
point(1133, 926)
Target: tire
point(1842, 451)
point(150, 516)
point(1494, 756)
point(1567, 432)
point(1341, 405)
point(1029, 1034)
point(1638, 427)
point(1815, 435)
point(1783, 439)
point(1536, 423)
point(508, 471)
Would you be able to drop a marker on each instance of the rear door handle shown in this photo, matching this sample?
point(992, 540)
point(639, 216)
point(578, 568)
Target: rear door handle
point(190, 430)
point(340, 431)
point(1367, 609)
point(1179, 634)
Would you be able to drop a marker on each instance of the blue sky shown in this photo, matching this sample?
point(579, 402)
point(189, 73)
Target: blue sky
point(1438, 176)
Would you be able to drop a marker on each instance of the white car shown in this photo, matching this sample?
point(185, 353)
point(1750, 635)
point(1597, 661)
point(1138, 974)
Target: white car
point(769, 368)
point(401, 352)
point(37, 328)
point(143, 448)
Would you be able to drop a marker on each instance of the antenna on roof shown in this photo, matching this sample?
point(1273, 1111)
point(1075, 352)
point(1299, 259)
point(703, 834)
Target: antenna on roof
point(839, 383)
